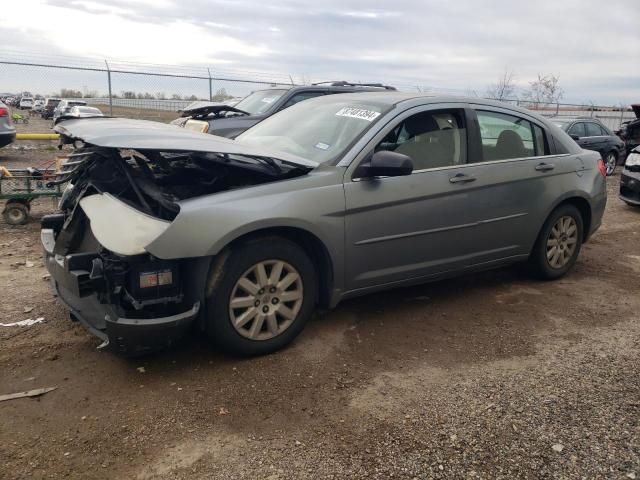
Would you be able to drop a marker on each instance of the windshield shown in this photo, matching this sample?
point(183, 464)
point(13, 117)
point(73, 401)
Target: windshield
point(319, 129)
point(260, 101)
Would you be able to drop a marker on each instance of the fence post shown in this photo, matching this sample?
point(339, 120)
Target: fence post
point(557, 108)
point(621, 115)
point(110, 95)
point(210, 86)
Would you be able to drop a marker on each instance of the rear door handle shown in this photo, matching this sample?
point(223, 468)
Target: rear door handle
point(462, 178)
point(545, 167)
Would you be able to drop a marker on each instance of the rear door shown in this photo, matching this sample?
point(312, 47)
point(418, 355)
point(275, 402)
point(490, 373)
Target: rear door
point(594, 138)
point(518, 180)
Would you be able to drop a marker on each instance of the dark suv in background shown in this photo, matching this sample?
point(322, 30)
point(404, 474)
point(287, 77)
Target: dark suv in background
point(591, 134)
point(230, 121)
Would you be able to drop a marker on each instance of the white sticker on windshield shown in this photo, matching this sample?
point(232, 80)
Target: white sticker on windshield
point(322, 146)
point(361, 113)
point(269, 99)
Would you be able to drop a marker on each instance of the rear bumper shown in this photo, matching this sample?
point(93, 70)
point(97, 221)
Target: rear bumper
point(630, 187)
point(7, 138)
point(129, 336)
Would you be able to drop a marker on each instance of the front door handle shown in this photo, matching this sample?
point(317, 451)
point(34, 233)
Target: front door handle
point(462, 178)
point(545, 167)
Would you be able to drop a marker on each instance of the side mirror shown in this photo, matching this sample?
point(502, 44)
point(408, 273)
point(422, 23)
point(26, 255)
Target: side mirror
point(575, 137)
point(385, 164)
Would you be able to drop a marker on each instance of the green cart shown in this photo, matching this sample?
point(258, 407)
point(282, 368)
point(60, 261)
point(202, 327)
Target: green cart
point(21, 187)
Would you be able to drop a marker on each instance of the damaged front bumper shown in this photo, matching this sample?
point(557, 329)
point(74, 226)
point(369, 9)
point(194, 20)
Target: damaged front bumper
point(78, 282)
point(630, 186)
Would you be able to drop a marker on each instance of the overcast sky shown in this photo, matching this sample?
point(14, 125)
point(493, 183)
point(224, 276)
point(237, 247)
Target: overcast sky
point(592, 45)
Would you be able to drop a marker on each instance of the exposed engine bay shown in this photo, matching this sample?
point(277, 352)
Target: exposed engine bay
point(154, 181)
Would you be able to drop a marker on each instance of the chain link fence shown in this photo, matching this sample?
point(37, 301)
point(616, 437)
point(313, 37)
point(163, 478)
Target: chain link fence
point(157, 92)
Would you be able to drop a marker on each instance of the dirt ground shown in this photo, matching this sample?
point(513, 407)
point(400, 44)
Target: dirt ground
point(492, 375)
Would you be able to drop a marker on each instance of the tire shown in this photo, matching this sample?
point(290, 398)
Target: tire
point(611, 162)
point(15, 213)
point(549, 264)
point(282, 321)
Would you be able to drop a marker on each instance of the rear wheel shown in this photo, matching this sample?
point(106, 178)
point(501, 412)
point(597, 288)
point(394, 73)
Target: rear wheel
point(558, 244)
point(610, 162)
point(263, 298)
point(16, 213)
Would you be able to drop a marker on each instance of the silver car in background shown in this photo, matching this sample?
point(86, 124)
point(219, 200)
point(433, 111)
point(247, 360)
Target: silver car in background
point(7, 129)
point(167, 229)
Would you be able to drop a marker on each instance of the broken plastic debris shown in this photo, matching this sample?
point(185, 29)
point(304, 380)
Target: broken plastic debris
point(29, 393)
point(23, 323)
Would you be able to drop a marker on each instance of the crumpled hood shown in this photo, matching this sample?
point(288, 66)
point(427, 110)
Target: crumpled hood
point(204, 108)
point(147, 135)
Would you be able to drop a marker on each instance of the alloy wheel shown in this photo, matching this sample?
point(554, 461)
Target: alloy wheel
point(266, 300)
point(562, 241)
point(610, 163)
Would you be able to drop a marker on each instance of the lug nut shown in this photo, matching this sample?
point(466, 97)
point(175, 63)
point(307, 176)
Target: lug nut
point(256, 303)
point(265, 309)
point(272, 290)
point(275, 300)
point(261, 291)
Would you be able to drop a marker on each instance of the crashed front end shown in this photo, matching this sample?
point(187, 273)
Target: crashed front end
point(119, 200)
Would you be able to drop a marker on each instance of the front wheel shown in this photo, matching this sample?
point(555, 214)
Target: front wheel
point(558, 244)
point(610, 162)
point(263, 299)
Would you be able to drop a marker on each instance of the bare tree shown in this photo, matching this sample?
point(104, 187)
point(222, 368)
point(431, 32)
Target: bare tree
point(504, 88)
point(545, 90)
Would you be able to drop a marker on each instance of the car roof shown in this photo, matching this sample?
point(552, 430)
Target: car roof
point(574, 119)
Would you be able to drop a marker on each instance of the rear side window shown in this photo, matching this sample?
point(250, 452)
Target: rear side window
point(593, 130)
point(577, 129)
point(299, 97)
point(507, 136)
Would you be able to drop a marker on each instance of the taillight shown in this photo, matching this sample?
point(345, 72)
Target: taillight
point(602, 168)
point(4, 112)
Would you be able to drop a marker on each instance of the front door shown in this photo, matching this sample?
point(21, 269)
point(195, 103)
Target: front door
point(399, 228)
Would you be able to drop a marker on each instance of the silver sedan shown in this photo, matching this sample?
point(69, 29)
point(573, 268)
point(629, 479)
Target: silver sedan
point(167, 230)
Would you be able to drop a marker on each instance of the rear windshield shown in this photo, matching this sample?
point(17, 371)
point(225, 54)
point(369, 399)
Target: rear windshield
point(88, 110)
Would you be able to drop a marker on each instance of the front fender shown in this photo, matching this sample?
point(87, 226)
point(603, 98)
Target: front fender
point(314, 203)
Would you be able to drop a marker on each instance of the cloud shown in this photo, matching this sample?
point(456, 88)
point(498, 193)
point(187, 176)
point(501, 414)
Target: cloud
point(450, 45)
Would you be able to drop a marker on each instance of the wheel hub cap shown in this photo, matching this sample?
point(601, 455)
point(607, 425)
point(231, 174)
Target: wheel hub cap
point(266, 300)
point(562, 241)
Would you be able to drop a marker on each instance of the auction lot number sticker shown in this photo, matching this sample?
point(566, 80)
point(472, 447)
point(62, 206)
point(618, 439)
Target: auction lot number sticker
point(362, 113)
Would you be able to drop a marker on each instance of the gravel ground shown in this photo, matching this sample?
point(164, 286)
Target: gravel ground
point(492, 375)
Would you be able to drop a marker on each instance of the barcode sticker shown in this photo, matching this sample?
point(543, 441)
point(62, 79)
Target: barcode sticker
point(361, 113)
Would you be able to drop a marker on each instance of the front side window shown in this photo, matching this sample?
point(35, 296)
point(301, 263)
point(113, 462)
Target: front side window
point(578, 130)
point(593, 130)
point(506, 136)
point(432, 139)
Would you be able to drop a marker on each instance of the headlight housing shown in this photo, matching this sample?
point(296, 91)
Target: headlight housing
point(633, 160)
point(119, 227)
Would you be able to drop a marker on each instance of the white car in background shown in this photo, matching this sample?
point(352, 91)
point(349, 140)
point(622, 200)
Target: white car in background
point(79, 111)
point(38, 105)
point(26, 103)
